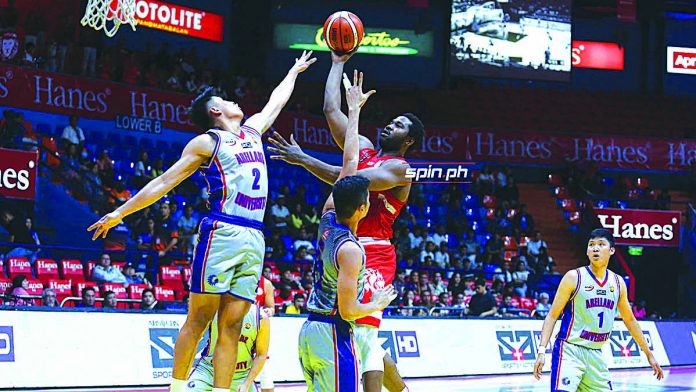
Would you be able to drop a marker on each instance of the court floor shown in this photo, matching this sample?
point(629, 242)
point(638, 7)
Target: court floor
point(636, 380)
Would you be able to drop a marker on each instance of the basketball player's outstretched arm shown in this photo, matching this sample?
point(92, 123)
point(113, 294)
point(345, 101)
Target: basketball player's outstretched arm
point(338, 121)
point(196, 153)
point(634, 328)
point(263, 340)
point(264, 119)
point(565, 290)
point(349, 263)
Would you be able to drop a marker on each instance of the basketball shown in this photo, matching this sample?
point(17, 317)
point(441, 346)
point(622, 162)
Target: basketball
point(343, 32)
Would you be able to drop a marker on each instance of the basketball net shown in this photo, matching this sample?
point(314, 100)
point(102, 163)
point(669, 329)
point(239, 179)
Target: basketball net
point(118, 12)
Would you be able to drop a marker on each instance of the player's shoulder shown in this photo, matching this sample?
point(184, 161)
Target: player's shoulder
point(251, 130)
point(571, 277)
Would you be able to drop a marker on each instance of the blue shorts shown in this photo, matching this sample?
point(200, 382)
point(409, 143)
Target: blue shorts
point(328, 355)
point(228, 258)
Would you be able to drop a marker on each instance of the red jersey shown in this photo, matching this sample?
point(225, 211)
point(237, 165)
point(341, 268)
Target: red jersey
point(375, 233)
point(261, 292)
point(384, 206)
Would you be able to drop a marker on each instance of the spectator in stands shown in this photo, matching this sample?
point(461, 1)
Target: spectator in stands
point(543, 306)
point(484, 183)
point(482, 303)
point(89, 296)
point(509, 192)
point(188, 226)
point(307, 281)
point(471, 247)
point(535, 245)
point(429, 251)
point(439, 236)
point(110, 300)
point(427, 299)
point(149, 301)
point(507, 309)
point(72, 134)
point(48, 298)
point(399, 282)
point(408, 300)
point(106, 168)
point(504, 273)
point(280, 214)
point(414, 282)
point(519, 279)
point(303, 240)
point(494, 249)
point(104, 272)
point(11, 130)
point(503, 225)
point(501, 177)
point(141, 171)
point(417, 237)
point(442, 256)
point(147, 237)
point(456, 285)
point(27, 59)
point(20, 233)
point(639, 309)
point(287, 278)
point(311, 219)
point(459, 302)
point(284, 297)
point(20, 285)
point(301, 255)
point(298, 305)
point(133, 278)
point(94, 188)
point(523, 220)
point(296, 222)
point(437, 286)
point(166, 231)
point(157, 168)
point(119, 194)
point(443, 300)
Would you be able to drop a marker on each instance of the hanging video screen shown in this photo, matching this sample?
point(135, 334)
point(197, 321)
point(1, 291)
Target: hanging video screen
point(522, 39)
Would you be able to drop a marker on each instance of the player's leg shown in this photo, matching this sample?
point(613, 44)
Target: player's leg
point(305, 351)
point(201, 379)
point(392, 379)
point(230, 316)
point(202, 308)
point(567, 367)
point(596, 377)
point(266, 378)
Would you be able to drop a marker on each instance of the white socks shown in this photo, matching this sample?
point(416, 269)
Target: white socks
point(177, 385)
point(221, 390)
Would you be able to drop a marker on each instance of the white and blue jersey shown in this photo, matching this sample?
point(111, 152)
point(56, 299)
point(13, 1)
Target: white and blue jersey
point(229, 254)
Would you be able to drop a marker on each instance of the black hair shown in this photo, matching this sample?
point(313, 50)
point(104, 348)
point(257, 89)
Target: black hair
point(87, 288)
point(298, 296)
point(349, 193)
point(107, 293)
point(480, 282)
point(198, 112)
point(142, 294)
point(603, 233)
point(416, 130)
point(18, 280)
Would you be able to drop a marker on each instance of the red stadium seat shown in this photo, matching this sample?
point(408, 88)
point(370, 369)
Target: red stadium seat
point(18, 266)
point(523, 242)
point(569, 205)
point(642, 183)
point(2, 268)
point(135, 291)
point(555, 180)
point(509, 254)
point(527, 303)
point(489, 201)
point(467, 298)
point(119, 264)
point(35, 288)
point(73, 270)
point(186, 273)
point(510, 243)
point(575, 217)
point(490, 213)
point(561, 192)
point(5, 285)
point(90, 267)
point(171, 277)
point(164, 293)
point(515, 302)
point(62, 288)
point(77, 288)
point(46, 269)
point(511, 213)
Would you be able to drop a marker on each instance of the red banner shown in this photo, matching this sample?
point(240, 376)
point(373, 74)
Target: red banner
point(179, 20)
point(681, 60)
point(18, 173)
point(598, 55)
point(641, 227)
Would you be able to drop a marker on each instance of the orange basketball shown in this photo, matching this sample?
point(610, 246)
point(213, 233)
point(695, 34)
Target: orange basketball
point(343, 32)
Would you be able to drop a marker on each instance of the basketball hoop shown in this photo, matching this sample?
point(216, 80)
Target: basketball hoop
point(99, 12)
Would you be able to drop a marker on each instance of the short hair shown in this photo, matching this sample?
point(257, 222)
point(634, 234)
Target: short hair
point(88, 288)
point(198, 112)
point(480, 282)
point(416, 130)
point(147, 291)
point(107, 293)
point(603, 233)
point(349, 193)
point(298, 296)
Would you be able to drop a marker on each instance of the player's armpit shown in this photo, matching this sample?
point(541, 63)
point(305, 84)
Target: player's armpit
point(565, 291)
point(389, 175)
point(329, 205)
point(349, 261)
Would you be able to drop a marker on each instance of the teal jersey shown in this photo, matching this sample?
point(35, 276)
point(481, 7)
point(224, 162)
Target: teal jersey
point(331, 236)
point(589, 316)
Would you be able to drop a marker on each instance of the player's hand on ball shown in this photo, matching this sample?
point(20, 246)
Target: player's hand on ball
point(302, 63)
point(288, 152)
point(657, 370)
point(103, 225)
point(354, 93)
point(341, 58)
point(539, 365)
point(383, 297)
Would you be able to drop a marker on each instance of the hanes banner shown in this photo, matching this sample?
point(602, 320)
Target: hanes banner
point(641, 227)
point(18, 173)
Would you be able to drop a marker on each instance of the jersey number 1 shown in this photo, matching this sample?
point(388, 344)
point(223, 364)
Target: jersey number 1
point(601, 319)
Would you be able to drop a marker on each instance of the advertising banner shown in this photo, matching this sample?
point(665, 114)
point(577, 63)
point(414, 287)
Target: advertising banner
point(377, 40)
point(681, 60)
point(679, 338)
point(598, 55)
point(641, 227)
point(18, 171)
point(179, 20)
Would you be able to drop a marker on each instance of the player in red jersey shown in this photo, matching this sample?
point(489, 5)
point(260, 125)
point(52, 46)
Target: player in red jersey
point(389, 189)
point(266, 302)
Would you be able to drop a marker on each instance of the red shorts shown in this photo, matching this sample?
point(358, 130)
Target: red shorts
point(379, 272)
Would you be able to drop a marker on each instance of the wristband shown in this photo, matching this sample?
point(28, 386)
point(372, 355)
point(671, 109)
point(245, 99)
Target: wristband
point(541, 349)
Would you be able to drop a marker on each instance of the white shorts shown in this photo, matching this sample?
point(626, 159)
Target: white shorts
point(265, 378)
point(577, 368)
point(227, 259)
point(370, 351)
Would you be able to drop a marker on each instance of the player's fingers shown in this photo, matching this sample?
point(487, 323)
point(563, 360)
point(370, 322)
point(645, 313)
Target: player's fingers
point(273, 150)
point(292, 140)
point(94, 225)
point(97, 233)
point(312, 61)
point(281, 140)
point(370, 93)
point(346, 82)
point(360, 81)
point(106, 231)
point(355, 77)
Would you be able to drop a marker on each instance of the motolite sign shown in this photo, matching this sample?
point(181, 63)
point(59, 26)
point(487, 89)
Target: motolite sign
point(681, 60)
point(598, 55)
point(179, 20)
point(641, 227)
point(18, 173)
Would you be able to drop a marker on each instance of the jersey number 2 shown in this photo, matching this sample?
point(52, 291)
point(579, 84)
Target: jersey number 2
point(601, 319)
point(257, 176)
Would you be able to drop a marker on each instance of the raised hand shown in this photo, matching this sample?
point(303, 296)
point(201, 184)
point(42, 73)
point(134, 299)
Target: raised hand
point(354, 93)
point(284, 151)
point(341, 58)
point(303, 62)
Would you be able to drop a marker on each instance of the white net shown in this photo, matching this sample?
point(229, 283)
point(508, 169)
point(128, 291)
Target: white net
point(109, 15)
